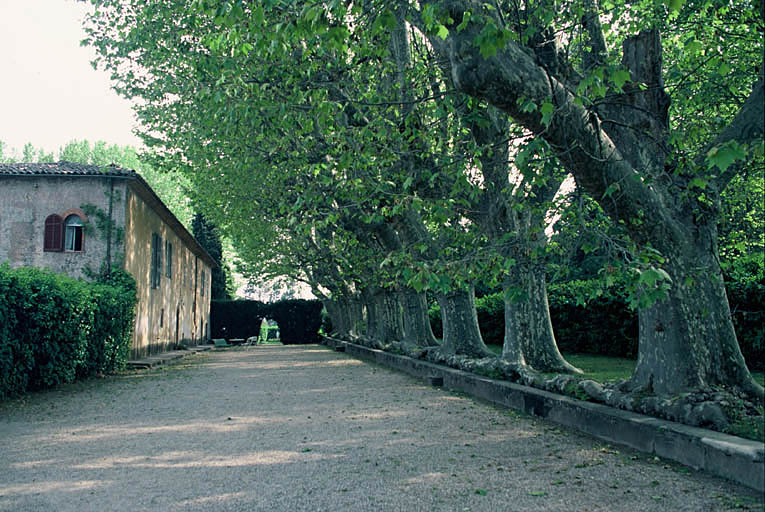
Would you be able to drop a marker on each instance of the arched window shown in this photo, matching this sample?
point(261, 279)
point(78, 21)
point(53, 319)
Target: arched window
point(73, 233)
point(53, 230)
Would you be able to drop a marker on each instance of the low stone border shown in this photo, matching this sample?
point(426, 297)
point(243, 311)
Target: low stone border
point(164, 358)
point(737, 459)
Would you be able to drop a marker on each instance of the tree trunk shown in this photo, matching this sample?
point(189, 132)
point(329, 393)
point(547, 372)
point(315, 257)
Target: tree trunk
point(355, 317)
point(388, 324)
point(369, 304)
point(687, 341)
point(529, 337)
point(529, 334)
point(462, 335)
point(339, 315)
point(416, 322)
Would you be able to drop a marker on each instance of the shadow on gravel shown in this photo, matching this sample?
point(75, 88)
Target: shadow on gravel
point(305, 428)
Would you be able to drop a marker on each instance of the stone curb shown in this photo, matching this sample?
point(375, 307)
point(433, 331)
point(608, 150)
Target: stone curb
point(164, 358)
point(737, 459)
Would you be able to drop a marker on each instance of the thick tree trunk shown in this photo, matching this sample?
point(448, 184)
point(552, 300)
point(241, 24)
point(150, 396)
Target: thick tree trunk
point(529, 337)
point(338, 313)
point(369, 306)
point(416, 322)
point(462, 335)
point(355, 317)
point(687, 341)
point(529, 334)
point(388, 323)
point(617, 154)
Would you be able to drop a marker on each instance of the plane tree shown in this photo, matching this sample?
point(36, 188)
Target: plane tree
point(301, 119)
point(605, 115)
point(608, 120)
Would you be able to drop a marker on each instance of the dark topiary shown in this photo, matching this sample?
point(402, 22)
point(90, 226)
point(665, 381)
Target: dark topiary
point(299, 320)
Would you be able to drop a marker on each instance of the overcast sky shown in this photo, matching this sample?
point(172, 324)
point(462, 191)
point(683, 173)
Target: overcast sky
point(49, 92)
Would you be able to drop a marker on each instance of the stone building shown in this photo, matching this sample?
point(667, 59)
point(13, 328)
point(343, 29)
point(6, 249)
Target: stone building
point(74, 219)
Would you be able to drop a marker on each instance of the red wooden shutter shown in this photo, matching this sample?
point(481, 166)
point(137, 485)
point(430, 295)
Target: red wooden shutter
point(53, 233)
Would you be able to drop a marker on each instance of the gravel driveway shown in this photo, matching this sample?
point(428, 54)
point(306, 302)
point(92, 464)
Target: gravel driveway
point(304, 428)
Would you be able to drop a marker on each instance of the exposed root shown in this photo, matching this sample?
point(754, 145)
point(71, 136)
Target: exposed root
point(734, 411)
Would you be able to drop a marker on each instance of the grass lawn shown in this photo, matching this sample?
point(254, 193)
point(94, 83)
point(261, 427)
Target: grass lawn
point(604, 368)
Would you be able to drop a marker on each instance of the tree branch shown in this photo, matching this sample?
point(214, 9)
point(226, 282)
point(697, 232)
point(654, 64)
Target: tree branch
point(746, 128)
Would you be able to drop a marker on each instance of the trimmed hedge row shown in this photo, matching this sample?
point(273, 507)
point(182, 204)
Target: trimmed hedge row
point(745, 285)
point(606, 325)
point(299, 320)
point(55, 329)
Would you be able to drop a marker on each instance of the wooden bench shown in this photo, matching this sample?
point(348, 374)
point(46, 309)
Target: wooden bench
point(220, 342)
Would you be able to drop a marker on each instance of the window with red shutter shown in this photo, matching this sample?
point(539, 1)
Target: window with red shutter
point(53, 233)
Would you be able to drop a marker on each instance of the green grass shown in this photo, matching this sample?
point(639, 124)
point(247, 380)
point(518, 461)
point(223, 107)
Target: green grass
point(605, 368)
point(602, 368)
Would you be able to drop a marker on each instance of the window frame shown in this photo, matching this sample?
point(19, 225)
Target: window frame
point(155, 275)
point(78, 233)
point(53, 234)
point(168, 259)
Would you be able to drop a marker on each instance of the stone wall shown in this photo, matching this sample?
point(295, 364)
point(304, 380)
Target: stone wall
point(177, 310)
point(25, 203)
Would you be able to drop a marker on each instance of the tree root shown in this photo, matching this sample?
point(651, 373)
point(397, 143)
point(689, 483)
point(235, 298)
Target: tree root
point(734, 411)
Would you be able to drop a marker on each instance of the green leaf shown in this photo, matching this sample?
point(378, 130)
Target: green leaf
point(693, 46)
point(258, 15)
point(528, 106)
point(613, 187)
point(547, 110)
point(698, 183)
point(664, 275)
point(653, 276)
point(465, 21)
point(620, 77)
point(725, 155)
point(675, 5)
point(443, 32)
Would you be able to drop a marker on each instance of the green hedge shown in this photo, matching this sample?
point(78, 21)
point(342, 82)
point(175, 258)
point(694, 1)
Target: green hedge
point(745, 284)
point(299, 320)
point(236, 318)
point(606, 325)
point(112, 333)
point(54, 329)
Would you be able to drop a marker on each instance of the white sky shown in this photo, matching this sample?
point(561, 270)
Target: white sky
point(49, 92)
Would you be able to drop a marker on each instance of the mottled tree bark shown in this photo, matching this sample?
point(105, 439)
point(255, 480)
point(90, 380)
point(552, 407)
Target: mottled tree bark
point(529, 334)
point(529, 337)
point(370, 307)
point(355, 316)
point(462, 336)
point(338, 314)
point(417, 328)
point(388, 322)
point(686, 341)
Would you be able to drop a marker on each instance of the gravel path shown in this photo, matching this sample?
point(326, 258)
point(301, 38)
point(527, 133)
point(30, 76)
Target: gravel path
point(304, 428)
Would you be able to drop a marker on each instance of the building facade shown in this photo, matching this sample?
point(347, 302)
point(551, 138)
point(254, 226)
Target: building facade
point(75, 219)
